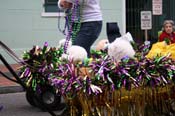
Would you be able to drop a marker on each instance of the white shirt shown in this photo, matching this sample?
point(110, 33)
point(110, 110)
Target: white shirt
point(90, 10)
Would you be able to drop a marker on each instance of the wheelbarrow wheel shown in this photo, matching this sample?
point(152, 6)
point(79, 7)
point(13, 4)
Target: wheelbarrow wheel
point(50, 100)
point(48, 97)
point(30, 98)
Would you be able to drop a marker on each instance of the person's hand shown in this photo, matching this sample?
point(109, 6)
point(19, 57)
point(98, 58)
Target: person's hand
point(65, 4)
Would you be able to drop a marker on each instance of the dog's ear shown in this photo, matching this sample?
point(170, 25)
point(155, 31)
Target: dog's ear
point(113, 31)
point(128, 37)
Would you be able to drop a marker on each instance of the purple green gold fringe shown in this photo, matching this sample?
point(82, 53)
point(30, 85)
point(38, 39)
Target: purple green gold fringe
point(101, 87)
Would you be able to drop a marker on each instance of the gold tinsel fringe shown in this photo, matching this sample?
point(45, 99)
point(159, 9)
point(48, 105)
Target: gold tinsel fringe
point(137, 102)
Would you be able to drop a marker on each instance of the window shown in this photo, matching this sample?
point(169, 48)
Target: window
point(50, 9)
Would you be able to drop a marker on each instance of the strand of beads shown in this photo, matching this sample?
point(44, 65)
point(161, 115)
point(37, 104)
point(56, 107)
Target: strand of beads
point(77, 24)
point(69, 24)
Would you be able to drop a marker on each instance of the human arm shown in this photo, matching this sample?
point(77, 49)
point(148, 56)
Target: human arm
point(80, 2)
point(64, 4)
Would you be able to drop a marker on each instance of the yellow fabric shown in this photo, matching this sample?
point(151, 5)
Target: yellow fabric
point(161, 49)
point(171, 49)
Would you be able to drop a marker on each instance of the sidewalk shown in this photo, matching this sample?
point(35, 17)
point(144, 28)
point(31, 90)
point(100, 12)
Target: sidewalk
point(7, 86)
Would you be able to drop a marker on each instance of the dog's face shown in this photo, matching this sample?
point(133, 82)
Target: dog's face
point(102, 44)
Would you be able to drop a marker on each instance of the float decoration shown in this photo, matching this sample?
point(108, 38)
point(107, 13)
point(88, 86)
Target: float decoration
point(99, 86)
point(39, 63)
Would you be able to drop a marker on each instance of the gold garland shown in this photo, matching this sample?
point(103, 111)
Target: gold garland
point(137, 102)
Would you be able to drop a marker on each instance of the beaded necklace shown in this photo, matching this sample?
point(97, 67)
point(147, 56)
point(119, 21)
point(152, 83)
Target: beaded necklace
point(73, 23)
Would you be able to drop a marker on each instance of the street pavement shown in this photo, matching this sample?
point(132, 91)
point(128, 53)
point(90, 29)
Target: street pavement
point(8, 86)
point(15, 104)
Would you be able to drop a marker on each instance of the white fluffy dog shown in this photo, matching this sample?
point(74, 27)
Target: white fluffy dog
point(121, 47)
point(74, 52)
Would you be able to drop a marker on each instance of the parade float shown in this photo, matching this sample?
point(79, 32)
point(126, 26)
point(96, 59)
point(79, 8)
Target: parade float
point(102, 86)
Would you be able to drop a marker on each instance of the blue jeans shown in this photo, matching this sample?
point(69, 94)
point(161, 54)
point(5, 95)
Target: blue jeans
point(89, 32)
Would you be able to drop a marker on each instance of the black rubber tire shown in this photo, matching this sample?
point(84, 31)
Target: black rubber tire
point(49, 99)
point(30, 98)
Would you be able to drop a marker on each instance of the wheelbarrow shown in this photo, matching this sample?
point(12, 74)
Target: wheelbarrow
point(46, 99)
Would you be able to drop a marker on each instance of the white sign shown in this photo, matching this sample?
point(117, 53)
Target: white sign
point(146, 20)
point(157, 7)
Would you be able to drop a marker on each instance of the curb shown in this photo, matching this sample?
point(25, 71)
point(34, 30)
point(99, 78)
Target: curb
point(11, 89)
